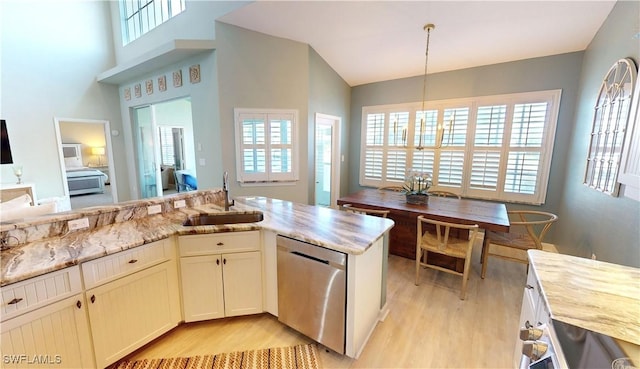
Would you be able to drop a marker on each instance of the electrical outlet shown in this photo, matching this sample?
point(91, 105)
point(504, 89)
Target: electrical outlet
point(179, 204)
point(154, 209)
point(593, 256)
point(77, 224)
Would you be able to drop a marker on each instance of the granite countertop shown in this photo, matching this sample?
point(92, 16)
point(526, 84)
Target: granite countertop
point(590, 294)
point(334, 229)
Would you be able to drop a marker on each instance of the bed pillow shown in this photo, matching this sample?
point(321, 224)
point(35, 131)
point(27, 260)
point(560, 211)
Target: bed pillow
point(28, 212)
point(72, 163)
point(21, 201)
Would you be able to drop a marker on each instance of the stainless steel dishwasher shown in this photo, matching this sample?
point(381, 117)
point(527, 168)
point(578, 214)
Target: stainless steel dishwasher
point(312, 288)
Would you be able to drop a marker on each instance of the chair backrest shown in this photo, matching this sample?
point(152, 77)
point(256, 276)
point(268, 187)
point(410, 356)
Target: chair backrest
point(391, 188)
point(535, 223)
point(441, 193)
point(352, 209)
point(181, 183)
point(443, 231)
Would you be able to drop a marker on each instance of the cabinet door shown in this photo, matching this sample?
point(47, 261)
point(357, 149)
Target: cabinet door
point(56, 335)
point(202, 296)
point(131, 311)
point(242, 283)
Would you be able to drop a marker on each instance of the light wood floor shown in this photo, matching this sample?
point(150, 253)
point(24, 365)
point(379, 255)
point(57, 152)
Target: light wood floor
point(428, 326)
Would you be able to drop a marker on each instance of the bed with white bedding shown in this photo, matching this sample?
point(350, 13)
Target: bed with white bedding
point(85, 180)
point(80, 179)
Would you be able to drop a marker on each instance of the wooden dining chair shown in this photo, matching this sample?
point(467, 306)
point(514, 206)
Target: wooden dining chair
point(526, 231)
point(441, 193)
point(352, 209)
point(441, 241)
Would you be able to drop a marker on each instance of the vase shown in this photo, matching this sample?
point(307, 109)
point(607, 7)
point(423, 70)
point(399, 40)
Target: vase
point(417, 199)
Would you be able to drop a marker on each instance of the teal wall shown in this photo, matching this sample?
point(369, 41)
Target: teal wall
point(592, 222)
point(328, 94)
point(260, 71)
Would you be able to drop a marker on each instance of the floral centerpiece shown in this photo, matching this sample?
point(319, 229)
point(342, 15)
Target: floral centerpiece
point(416, 186)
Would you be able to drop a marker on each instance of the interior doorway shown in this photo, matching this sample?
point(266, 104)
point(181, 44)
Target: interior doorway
point(163, 136)
point(86, 163)
point(327, 159)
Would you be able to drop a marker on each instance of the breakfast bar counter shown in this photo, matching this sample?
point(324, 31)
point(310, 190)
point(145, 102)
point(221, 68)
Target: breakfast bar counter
point(120, 227)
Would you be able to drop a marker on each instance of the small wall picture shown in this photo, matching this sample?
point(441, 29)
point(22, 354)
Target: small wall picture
point(137, 89)
point(149, 86)
point(162, 83)
point(177, 78)
point(127, 93)
point(194, 73)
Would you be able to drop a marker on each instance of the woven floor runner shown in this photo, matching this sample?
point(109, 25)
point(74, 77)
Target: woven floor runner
point(294, 357)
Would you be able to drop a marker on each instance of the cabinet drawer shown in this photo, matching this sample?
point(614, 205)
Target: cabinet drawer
point(215, 243)
point(21, 297)
point(118, 265)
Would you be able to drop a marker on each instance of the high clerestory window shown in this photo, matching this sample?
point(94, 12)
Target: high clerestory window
point(141, 16)
point(491, 147)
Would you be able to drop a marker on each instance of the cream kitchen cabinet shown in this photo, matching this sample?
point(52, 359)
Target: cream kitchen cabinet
point(45, 323)
point(221, 275)
point(133, 297)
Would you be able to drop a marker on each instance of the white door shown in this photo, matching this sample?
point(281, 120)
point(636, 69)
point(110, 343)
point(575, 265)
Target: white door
point(327, 159)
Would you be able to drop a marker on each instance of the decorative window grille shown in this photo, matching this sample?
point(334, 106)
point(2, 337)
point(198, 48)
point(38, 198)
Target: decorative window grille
point(266, 145)
point(141, 16)
point(610, 119)
point(492, 147)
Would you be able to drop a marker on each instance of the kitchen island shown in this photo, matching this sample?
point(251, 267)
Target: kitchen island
point(39, 247)
point(591, 309)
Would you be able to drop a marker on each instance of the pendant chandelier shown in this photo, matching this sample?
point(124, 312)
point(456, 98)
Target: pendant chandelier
point(427, 27)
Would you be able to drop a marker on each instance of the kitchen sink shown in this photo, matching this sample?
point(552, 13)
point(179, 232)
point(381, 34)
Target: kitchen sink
point(223, 218)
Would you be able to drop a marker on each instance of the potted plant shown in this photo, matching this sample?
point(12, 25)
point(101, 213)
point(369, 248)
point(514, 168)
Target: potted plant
point(416, 186)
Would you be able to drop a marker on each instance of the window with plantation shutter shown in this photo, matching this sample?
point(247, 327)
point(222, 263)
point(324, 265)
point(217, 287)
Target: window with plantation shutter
point(266, 145)
point(490, 147)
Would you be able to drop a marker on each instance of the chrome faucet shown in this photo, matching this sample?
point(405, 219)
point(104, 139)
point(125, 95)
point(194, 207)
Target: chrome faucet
point(225, 188)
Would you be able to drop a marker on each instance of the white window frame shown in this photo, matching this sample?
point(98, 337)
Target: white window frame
point(268, 177)
point(550, 97)
point(137, 17)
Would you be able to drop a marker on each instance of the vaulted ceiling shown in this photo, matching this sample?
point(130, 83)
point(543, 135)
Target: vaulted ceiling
point(372, 41)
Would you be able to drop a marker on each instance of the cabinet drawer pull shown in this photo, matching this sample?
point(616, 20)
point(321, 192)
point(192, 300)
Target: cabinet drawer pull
point(217, 261)
point(133, 261)
point(14, 301)
point(78, 304)
point(93, 298)
point(224, 261)
point(220, 244)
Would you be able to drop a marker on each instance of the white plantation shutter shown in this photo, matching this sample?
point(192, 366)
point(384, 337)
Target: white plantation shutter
point(423, 161)
point(374, 147)
point(396, 165)
point(450, 169)
point(266, 145)
point(525, 148)
point(485, 169)
point(494, 147)
point(487, 147)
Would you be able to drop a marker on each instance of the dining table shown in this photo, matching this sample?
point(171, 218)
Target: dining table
point(488, 215)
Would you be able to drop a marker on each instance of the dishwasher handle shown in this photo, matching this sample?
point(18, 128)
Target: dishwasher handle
point(311, 257)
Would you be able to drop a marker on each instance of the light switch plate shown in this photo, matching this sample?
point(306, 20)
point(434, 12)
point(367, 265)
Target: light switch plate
point(179, 204)
point(77, 224)
point(154, 209)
